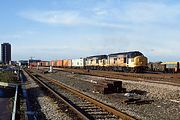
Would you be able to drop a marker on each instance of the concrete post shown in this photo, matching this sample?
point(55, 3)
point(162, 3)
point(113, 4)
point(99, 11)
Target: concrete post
point(51, 69)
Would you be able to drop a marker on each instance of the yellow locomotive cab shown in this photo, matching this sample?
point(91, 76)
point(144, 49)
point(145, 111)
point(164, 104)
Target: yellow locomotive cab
point(140, 61)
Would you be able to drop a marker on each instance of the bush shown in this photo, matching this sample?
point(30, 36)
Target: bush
point(8, 76)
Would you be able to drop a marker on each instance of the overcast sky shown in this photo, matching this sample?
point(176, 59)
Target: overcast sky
point(57, 29)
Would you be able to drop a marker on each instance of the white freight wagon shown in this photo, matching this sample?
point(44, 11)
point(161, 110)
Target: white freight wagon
point(78, 63)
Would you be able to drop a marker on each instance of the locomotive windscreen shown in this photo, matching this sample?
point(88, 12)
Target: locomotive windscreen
point(134, 54)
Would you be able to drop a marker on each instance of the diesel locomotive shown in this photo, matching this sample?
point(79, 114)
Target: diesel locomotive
point(133, 61)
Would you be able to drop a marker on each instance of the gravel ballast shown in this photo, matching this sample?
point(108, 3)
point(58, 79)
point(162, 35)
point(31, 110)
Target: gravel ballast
point(43, 105)
point(166, 98)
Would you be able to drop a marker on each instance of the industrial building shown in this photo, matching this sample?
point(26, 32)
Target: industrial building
point(5, 53)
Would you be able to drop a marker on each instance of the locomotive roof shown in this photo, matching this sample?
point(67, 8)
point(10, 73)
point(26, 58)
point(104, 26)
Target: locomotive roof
point(97, 56)
point(125, 53)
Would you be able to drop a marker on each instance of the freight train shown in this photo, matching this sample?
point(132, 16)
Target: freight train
point(133, 61)
point(166, 67)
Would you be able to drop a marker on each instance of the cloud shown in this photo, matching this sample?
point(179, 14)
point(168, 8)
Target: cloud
point(16, 35)
point(9, 37)
point(67, 17)
point(149, 26)
point(138, 12)
point(162, 51)
point(150, 12)
point(53, 17)
point(100, 12)
point(107, 16)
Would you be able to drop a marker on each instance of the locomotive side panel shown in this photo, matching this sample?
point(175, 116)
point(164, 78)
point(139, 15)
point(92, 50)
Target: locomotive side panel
point(103, 62)
point(117, 61)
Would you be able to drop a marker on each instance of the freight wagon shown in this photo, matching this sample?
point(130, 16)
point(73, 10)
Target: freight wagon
point(42, 63)
point(78, 63)
point(171, 67)
point(156, 67)
point(48, 64)
point(69, 63)
point(66, 63)
point(59, 63)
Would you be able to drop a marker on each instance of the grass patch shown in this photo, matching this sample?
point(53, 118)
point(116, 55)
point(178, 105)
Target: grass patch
point(8, 76)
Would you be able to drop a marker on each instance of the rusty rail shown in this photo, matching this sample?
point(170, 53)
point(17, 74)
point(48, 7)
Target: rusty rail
point(102, 105)
point(15, 104)
point(82, 116)
point(169, 79)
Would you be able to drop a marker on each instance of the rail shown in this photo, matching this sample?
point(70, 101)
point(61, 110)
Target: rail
point(15, 103)
point(100, 104)
point(58, 96)
point(169, 79)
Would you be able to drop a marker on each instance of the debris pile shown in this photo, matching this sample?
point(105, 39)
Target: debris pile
point(115, 87)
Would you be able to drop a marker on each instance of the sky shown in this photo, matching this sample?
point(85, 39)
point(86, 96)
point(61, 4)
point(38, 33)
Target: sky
point(61, 29)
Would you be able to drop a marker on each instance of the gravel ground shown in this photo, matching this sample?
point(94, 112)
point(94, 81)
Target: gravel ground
point(87, 107)
point(44, 106)
point(166, 105)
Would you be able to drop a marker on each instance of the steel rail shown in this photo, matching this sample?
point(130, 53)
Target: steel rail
point(15, 103)
point(82, 116)
point(142, 77)
point(100, 104)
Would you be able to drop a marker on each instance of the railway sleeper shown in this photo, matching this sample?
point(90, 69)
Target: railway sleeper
point(90, 109)
point(104, 117)
point(84, 105)
point(98, 113)
point(111, 117)
point(105, 113)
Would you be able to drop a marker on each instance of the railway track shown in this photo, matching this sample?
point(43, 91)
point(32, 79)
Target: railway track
point(84, 106)
point(169, 79)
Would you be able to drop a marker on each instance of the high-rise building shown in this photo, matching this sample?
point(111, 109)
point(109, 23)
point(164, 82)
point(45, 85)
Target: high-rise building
point(5, 53)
